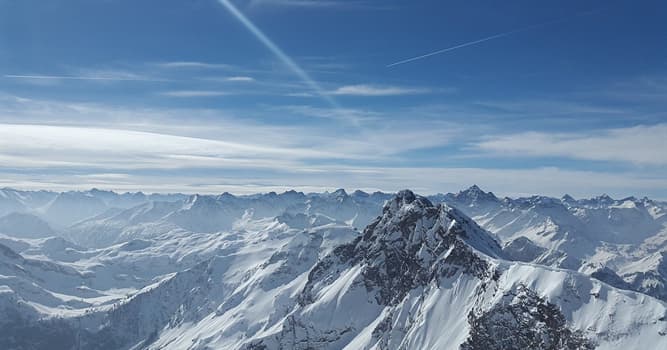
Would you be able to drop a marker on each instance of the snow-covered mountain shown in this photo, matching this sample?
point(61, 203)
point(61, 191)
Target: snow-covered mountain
point(621, 241)
point(332, 271)
point(25, 225)
point(62, 209)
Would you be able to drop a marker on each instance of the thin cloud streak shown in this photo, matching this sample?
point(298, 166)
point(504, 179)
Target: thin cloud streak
point(241, 79)
point(488, 38)
point(277, 51)
point(452, 48)
point(39, 146)
point(81, 77)
point(297, 3)
point(194, 64)
point(195, 93)
point(511, 182)
point(372, 90)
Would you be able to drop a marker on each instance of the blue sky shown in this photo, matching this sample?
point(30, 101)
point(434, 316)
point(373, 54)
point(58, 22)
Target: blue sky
point(259, 95)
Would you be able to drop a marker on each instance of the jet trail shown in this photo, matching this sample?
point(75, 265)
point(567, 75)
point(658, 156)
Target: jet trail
point(279, 53)
point(451, 48)
point(492, 37)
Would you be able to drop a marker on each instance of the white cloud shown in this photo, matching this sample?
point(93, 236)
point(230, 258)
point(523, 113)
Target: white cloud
point(639, 145)
point(375, 90)
point(503, 182)
point(38, 146)
point(307, 3)
point(75, 145)
point(545, 108)
point(194, 93)
point(241, 79)
point(354, 116)
point(371, 135)
point(92, 75)
point(194, 65)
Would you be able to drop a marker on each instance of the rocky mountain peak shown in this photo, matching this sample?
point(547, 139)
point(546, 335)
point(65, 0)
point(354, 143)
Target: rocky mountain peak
point(339, 193)
point(406, 201)
point(415, 220)
point(412, 243)
point(474, 195)
point(360, 194)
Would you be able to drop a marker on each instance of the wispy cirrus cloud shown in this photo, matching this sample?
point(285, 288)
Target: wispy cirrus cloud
point(194, 65)
point(505, 182)
point(644, 145)
point(377, 90)
point(315, 4)
point(241, 79)
point(87, 75)
point(350, 115)
point(194, 93)
point(198, 150)
point(297, 3)
point(38, 146)
point(644, 89)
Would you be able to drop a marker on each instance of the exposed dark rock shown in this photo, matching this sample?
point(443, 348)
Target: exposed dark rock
point(412, 244)
point(523, 320)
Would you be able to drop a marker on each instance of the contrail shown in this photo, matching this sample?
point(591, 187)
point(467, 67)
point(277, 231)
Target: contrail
point(74, 77)
point(492, 37)
point(282, 56)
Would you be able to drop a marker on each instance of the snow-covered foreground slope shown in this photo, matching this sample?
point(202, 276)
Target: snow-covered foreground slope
point(427, 277)
point(419, 276)
point(110, 297)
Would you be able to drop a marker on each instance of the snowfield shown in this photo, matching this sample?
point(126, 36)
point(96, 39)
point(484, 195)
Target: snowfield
point(100, 270)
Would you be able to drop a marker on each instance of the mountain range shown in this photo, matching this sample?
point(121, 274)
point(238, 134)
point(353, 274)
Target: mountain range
point(467, 270)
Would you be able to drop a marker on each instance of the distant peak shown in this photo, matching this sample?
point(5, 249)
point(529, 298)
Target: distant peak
point(193, 198)
point(198, 198)
point(474, 193)
point(97, 190)
point(475, 190)
point(604, 198)
point(340, 193)
point(226, 196)
point(360, 193)
point(568, 198)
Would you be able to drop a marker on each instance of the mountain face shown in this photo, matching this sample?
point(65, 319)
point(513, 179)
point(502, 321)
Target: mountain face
point(292, 271)
point(620, 241)
point(403, 248)
point(25, 225)
point(391, 285)
point(523, 320)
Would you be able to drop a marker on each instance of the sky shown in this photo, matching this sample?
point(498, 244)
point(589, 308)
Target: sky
point(247, 96)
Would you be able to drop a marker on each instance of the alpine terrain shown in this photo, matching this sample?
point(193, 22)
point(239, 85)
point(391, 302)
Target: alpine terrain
point(467, 270)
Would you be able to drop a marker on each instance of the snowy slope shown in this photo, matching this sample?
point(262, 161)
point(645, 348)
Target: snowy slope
point(290, 271)
point(25, 225)
point(616, 240)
